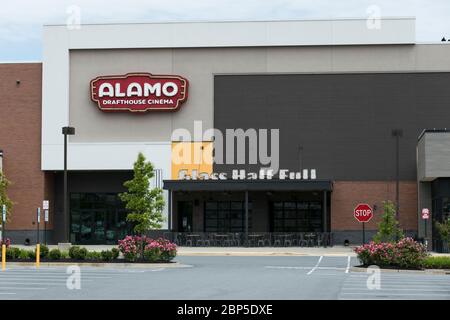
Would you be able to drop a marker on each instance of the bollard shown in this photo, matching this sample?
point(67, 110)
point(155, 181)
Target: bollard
point(3, 257)
point(38, 255)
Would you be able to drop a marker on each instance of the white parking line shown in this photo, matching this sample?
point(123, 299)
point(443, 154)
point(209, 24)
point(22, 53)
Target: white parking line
point(7, 293)
point(32, 283)
point(22, 288)
point(403, 282)
point(304, 268)
point(348, 265)
point(317, 265)
point(398, 289)
point(58, 276)
point(398, 294)
point(24, 279)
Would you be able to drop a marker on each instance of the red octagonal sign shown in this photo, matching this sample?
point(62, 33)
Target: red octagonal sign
point(363, 212)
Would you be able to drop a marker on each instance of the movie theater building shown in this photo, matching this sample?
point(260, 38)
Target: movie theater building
point(342, 104)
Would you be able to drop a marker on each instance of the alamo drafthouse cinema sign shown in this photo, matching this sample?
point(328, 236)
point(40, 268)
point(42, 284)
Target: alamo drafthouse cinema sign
point(139, 92)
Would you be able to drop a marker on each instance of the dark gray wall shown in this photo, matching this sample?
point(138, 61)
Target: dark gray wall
point(342, 121)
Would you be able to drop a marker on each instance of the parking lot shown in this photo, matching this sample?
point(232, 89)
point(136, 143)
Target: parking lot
point(224, 277)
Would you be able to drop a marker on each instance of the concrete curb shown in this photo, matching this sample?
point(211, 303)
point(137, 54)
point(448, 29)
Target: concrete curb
point(426, 271)
point(101, 265)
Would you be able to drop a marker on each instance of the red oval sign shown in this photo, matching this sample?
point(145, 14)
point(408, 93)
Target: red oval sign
point(363, 212)
point(139, 92)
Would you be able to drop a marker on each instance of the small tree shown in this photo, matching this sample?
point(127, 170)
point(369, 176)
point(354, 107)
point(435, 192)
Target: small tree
point(444, 229)
point(388, 229)
point(145, 205)
point(4, 199)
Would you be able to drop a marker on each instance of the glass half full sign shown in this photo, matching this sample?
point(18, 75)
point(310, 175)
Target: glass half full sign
point(139, 92)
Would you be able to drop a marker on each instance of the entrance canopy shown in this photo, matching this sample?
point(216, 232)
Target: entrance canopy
point(248, 185)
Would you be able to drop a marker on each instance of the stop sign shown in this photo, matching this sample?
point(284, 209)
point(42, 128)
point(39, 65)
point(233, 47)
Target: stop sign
point(363, 212)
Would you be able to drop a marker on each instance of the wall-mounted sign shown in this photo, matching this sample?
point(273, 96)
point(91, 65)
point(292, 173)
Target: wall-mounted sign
point(139, 92)
point(283, 174)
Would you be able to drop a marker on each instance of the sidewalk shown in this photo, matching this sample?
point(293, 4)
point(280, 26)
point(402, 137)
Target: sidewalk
point(337, 251)
point(237, 251)
point(266, 251)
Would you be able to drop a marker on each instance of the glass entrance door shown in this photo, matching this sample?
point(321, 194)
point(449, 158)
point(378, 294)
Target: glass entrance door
point(185, 209)
point(92, 226)
point(97, 218)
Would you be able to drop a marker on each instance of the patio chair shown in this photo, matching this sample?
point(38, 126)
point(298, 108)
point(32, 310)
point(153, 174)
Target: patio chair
point(237, 239)
point(312, 237)
point(302, 242)
point(288, 240)
point(276, 241)
point(228, 241)
point(206, 239)
point(264, 240)
point(201, 241)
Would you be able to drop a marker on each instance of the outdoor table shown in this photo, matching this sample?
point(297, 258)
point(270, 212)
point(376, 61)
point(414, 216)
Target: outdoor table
point(310, 238)
point(192, 238)
point(255, 237)
point(221, 238)
point(284, 237)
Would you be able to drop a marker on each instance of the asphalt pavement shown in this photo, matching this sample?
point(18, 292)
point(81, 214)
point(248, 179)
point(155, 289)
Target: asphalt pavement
point(224, 277)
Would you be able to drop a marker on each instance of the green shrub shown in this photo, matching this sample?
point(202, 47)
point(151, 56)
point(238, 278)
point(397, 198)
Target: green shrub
point(23, 255)
point(107, 255)
point(437, 263)
point(115, 252)
point(12, 253)
point(65, 255)
point(92, 255)
point(73, 252)
point(32, 254)
point(43, 251)
point(54, 254)
point(443, 229)
point(78, 253)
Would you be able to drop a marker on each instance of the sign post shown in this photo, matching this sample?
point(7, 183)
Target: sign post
point(3, 238)
point(363, 213)
point(45, 207)
point(425, 217)
point(38, 246)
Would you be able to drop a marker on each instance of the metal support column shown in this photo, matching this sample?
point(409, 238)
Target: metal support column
point(246, 217)
point(324, 212)
point(170, 212)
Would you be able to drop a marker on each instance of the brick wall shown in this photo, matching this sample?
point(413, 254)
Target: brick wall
point(347, 194)
point(20, 139)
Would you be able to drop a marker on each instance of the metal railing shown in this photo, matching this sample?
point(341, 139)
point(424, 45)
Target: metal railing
point(252, 239)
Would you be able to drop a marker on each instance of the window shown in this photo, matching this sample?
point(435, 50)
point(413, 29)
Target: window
point(226, 216)
point(297, 216)
point(97, 218)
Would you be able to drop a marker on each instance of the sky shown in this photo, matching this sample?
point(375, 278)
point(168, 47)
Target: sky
point(21, 21)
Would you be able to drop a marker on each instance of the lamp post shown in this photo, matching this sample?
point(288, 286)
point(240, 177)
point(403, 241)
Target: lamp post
point(66, 131)
point(3, 220)
point(397, 134)
point(1, 160)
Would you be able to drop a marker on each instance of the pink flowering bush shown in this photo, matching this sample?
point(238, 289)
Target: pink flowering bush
point(7, 242)
point(129, 247)
point(406, 253)
point(160, 250)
